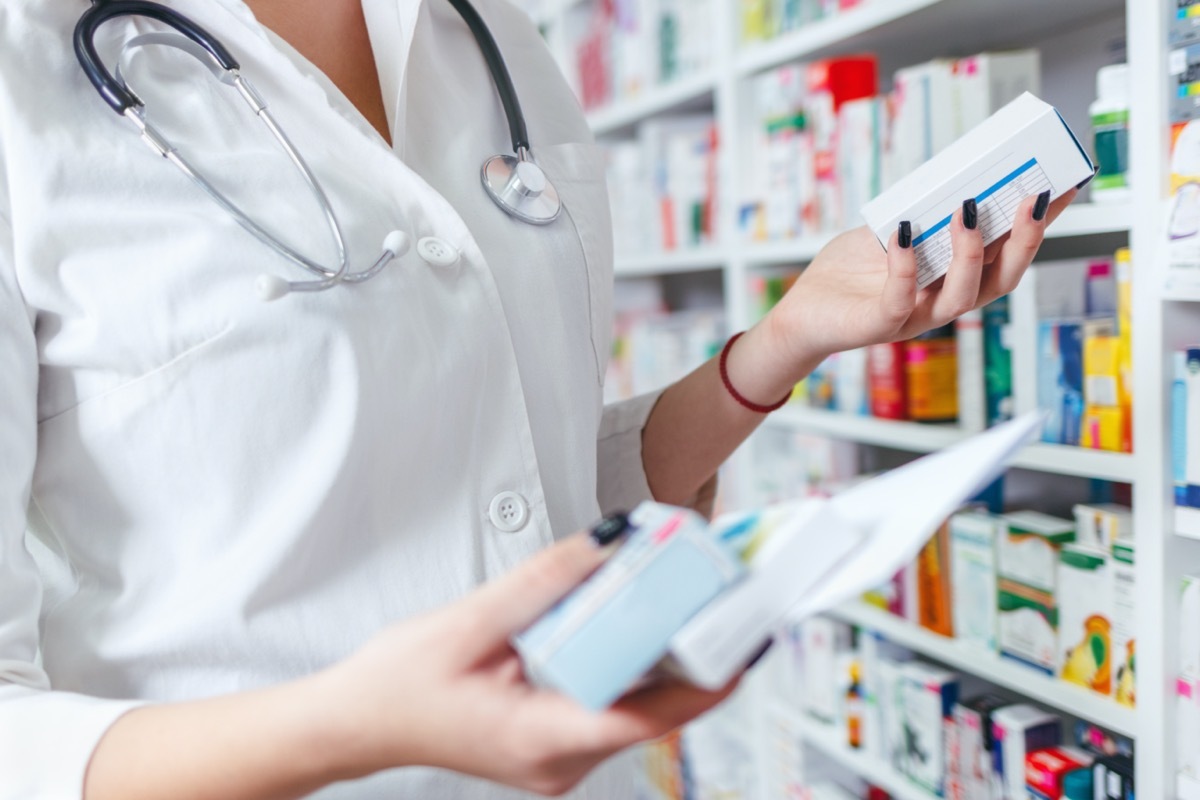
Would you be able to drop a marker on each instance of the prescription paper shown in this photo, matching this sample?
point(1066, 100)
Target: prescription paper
point(840, 548)
point(1022, 150)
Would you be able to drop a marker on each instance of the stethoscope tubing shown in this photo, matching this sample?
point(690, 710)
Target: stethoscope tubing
point(522, 199)
point(118, 97)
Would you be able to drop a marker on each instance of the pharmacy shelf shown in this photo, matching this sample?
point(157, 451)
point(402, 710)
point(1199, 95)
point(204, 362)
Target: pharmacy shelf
point(1089, 219)
point(1073, 700)
point(1080, 461)
point(672, 261)
point(916, 437)
point(910, 31)
point(818, 37)
point(683, 92)
point(1187, 522)
point(790, 251)
point(831, 743)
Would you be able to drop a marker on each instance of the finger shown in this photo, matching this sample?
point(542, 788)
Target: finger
point(655, 711)
point(899, 294)
point(1018, 252)
point(960, 290)
point(513, 602)
point(1060, 205)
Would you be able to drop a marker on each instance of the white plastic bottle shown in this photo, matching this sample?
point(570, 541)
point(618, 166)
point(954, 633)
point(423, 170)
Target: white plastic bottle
point(1110, 127)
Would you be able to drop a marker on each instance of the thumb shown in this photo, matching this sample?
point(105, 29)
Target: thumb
point(513, 602)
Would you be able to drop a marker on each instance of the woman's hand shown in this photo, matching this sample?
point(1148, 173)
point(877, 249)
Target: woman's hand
point(447, 690)
point(854, 294)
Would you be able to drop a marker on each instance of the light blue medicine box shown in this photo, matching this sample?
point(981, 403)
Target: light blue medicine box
point(595, 644)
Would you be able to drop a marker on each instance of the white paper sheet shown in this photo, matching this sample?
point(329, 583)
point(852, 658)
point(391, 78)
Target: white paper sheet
point(859, 540)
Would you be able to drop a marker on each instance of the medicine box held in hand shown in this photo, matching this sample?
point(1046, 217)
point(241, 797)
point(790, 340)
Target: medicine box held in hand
point(1022, 150)
point(597, 642)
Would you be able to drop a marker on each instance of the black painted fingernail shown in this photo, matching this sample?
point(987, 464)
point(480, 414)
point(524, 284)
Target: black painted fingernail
point(762, 652)
point(970, 214)
point(904, 238)
point(609, 529)
point(1088, 179)
point(1041, 206)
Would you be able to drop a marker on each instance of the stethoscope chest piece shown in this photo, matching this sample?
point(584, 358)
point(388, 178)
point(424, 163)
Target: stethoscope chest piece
point(519, 186)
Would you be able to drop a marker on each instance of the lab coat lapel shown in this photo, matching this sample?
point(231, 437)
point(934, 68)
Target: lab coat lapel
point(390, 24)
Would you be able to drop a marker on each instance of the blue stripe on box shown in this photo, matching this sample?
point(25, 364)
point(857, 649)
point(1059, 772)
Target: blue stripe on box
point(988, 192)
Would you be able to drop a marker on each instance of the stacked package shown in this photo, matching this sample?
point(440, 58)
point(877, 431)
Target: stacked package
point(627, 47)
point(663, 187)
point(1056, 595)
point(827, 142)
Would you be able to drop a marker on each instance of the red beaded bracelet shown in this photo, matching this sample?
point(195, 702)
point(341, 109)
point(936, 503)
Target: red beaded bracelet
point(734, 392)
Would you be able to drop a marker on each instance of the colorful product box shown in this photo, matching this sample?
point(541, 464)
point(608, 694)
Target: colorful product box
point(1027, 571)
point(1124, 622)
point(934, 583)
point(973, 541)
point(931, 375)
point(1187, 727)
point(973, 721)
point(1085, 593)
point(1028, 550)
point(1101, 525)
point(987, 82)
point(1103, 424)
point(1124, 265)
point(1060, 380)
point(1091, 738)
point(1028, 625)
point(1112, 777)
point(1018, 730)
point(1183, 66)
point(1189, 627)
point(997, 361)
point(877, 654)
point(1045, 770)
point(885, 381)
point(929, 697)
point(1184, 22)
point(891, 693)
point(825, 644)
point(1192, 383)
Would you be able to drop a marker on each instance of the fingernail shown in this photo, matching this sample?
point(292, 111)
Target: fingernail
point(1041, 206)
point(609, 529)
point(970, 214)
point(1088, 179)
point(904, 238)
point(762, 652)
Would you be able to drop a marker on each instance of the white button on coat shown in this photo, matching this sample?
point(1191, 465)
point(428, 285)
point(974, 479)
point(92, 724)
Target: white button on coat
point(436, 251)
point(509, 512)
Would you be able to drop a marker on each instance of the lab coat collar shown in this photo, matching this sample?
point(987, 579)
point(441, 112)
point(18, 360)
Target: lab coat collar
point(390, 25)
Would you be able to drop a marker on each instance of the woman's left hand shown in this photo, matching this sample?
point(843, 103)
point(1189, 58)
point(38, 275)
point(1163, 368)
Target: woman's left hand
point(854, 293)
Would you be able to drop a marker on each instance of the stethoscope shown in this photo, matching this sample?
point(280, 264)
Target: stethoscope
point(515, 183)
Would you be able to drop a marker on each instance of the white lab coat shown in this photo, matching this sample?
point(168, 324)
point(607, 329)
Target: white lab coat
point(225, 493)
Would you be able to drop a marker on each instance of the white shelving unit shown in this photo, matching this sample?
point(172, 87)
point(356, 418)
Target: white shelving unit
point(1071, 35)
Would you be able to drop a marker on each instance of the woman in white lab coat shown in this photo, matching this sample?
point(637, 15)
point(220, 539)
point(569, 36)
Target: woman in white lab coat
point(256, 530)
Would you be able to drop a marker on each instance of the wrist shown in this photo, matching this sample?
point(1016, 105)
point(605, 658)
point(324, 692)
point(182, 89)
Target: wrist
point(783, 350)
point(336, 740)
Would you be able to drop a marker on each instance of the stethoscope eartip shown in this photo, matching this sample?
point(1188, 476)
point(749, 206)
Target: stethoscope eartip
point(397, 243)
point(271, 287)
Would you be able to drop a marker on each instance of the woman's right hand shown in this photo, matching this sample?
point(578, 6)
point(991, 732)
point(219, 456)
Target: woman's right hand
point(447, 690)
